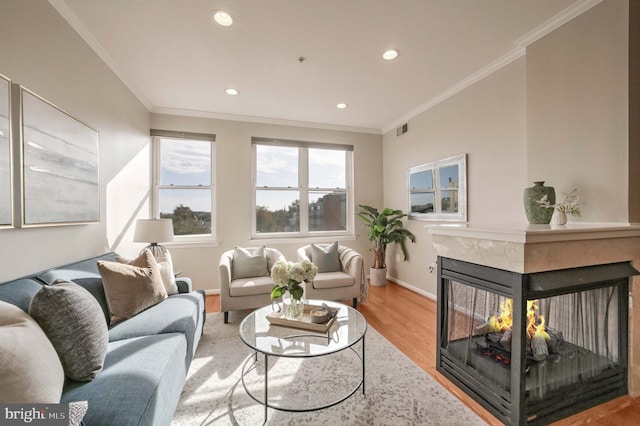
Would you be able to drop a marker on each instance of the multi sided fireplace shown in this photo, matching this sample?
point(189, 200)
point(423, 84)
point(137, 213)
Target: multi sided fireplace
point(533, 348)
point(533, 320)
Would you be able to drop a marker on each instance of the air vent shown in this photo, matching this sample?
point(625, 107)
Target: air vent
point(402, 129)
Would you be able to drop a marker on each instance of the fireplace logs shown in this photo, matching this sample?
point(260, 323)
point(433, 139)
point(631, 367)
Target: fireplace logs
point(541, 340)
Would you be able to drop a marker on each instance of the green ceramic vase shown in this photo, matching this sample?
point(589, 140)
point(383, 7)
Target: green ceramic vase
point(536, 214)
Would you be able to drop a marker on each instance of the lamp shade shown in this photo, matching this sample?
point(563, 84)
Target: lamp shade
point(153, 231)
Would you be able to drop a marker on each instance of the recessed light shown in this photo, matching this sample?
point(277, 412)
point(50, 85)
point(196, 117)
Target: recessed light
point(341, 105)
point(222, 18)
point(231, 92)
point(390, 54)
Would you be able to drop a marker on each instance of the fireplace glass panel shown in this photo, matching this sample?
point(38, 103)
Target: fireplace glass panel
point(571, 338)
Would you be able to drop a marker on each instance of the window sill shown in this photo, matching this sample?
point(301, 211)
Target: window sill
point(305, 239)
point(191, 244)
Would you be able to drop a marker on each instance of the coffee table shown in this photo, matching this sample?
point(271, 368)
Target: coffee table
point(269, 340)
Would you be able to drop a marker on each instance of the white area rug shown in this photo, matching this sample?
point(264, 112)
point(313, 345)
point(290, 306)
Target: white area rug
point(398, 392)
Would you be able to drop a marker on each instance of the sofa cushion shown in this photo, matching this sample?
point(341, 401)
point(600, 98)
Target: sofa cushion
point(72, 320)
point(130, 289)
point(248, 264)
point(250, 286)
point(84, 273)
point(333, 280)
point(326, 257)
point(19, 292)
point(140, 383)
point(30, 371)
point(181, 313)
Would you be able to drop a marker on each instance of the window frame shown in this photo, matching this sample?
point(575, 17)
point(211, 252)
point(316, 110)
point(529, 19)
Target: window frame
point(304, 189)
point(157, 136)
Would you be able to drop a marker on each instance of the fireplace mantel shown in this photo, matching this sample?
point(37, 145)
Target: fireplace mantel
point(524, 248)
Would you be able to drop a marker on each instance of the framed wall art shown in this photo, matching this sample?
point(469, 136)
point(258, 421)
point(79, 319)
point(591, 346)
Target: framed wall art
point(6, 171)
point(59, 167)
point(438, 190)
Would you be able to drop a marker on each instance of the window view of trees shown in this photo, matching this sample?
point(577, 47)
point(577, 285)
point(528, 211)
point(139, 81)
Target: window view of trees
point(283, 220)
point(184, 190)
point(300, 188)
point(188, 222)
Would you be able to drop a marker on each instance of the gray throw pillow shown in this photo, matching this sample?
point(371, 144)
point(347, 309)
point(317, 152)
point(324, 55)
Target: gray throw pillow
point(326, 257)
point(73, 321)
point(248, 265)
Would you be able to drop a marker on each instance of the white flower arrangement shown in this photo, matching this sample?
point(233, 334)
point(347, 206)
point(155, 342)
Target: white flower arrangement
point(570, 204)
point(287, 277)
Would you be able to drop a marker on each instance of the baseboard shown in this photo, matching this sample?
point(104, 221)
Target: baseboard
point(413, 288)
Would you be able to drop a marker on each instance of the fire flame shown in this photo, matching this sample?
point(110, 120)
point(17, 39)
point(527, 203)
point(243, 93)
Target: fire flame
point(504, 321)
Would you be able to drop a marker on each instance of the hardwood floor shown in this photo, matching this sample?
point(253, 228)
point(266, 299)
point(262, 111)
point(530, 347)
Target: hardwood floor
point(408, 320)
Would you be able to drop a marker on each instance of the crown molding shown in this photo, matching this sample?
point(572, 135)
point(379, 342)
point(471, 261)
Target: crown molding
point(262, 120)
point(65, 11)
point(576, 9)
point(458, 87)
point(573, 11)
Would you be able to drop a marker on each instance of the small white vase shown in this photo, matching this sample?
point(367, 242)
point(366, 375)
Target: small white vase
point(559, 218)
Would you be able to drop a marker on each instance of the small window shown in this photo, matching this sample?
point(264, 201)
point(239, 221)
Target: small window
point(184, 189)
point(437, 190)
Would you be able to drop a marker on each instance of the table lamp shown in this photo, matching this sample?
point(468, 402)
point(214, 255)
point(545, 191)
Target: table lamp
point(154, 231)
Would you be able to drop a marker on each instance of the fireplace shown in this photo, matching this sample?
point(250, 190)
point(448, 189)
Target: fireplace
point(534, 347)
point(568, 338)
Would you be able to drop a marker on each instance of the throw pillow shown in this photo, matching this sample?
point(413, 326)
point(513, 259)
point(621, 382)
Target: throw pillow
point(326, 258)
point(73, 321)
point(166, 271)
point(165, 264)
point(248, 265)
point(30, 370)
point(131, 289)
point(77, 410)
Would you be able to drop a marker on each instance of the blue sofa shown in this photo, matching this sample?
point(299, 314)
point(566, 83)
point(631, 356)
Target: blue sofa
point(148, 355)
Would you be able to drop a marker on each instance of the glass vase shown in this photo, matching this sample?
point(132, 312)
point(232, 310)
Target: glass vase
point(293, 308)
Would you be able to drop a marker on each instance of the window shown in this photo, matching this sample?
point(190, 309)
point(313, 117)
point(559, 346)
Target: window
point(301, 188)
point(184, 189)
point(437, 190)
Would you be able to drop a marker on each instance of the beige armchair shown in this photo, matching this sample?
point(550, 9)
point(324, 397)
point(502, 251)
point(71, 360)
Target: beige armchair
point(339, 285)
point(240, 293)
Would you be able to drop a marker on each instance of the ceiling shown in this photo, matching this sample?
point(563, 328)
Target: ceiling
point(176, 60)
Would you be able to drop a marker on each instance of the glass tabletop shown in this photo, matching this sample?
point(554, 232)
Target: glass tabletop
point(259, 334)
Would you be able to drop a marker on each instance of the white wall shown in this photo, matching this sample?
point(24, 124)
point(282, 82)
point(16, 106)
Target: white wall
point(559, 114)
point(488, 122)
point(233, 178)
point(577, 111)
point(40, 51)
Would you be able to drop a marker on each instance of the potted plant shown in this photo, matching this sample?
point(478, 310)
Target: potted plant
point(385, 227)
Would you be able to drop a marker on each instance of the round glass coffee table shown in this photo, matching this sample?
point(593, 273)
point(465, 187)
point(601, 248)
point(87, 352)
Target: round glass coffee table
point(272, 340)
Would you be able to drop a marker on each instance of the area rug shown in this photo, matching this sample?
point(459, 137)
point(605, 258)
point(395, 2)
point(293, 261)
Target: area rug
point(397, 392)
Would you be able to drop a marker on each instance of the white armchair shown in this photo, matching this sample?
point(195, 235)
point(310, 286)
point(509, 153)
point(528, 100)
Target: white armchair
point(245, 292)
point(338, 285)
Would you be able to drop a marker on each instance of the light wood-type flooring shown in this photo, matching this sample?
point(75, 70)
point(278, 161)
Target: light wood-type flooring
point(408, 320)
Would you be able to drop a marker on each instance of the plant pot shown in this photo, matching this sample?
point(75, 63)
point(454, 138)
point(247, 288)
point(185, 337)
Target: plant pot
point(378, 277)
